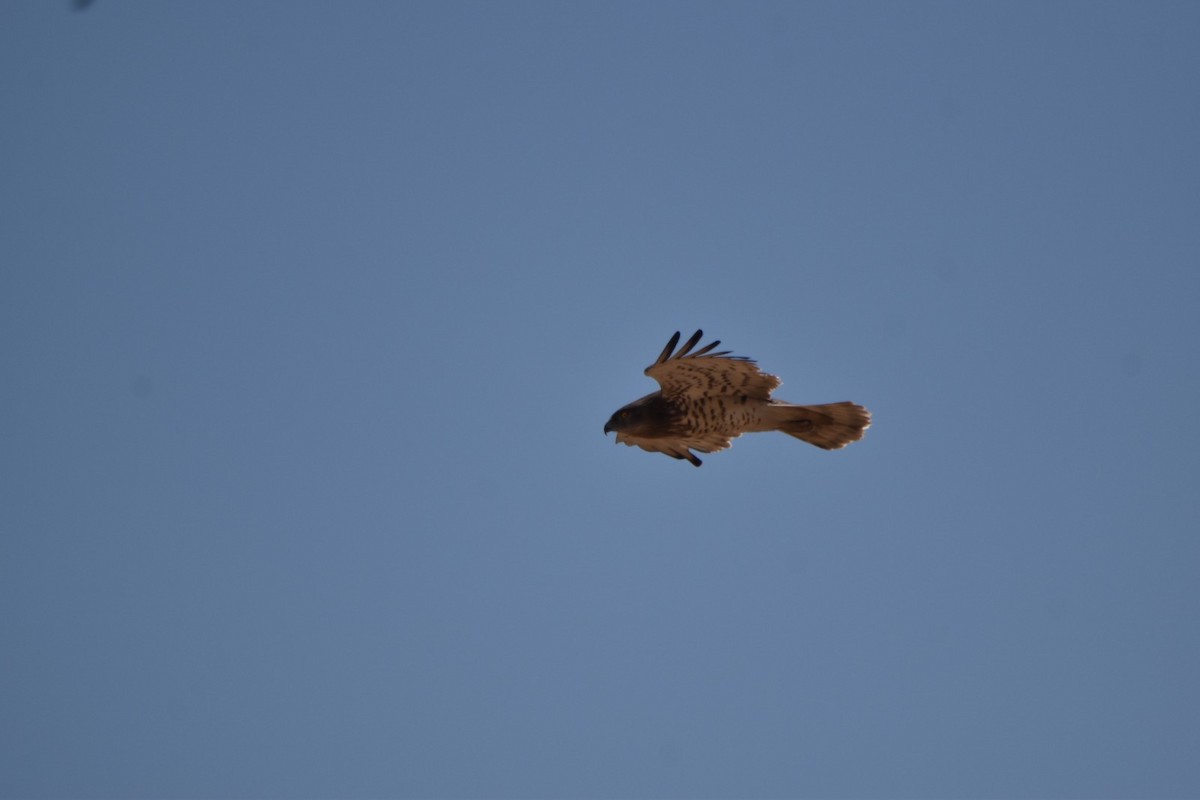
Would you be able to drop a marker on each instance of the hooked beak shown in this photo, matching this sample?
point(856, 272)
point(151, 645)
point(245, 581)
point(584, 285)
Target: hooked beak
point(607, 429)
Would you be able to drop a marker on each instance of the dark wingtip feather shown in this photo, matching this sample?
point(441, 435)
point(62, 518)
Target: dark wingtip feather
point(666, 353)
point(687, 347)
point(669, 352)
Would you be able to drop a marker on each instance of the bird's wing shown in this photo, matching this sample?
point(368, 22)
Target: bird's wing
point(681, 447)
point(707, 442)
point(707, 374)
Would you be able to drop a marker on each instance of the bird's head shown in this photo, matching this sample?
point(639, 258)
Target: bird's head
point(625, 419)
point(643, 418)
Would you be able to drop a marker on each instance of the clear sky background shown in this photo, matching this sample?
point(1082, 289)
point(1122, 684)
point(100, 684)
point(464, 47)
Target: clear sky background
point(311, 315)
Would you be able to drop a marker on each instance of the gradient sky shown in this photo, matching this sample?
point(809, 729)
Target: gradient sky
point(311, 315)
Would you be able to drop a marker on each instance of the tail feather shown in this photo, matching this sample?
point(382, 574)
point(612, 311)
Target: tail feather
point(829, 427)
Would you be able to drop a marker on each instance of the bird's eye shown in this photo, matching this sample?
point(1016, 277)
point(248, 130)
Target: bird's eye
point(624, 415)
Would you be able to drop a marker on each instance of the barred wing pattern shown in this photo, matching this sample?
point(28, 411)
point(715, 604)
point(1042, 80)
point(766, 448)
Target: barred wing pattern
point(688, 375)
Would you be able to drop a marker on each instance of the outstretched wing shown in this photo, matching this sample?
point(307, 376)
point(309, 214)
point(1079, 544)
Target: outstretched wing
point(681, 447)
point(685, 374)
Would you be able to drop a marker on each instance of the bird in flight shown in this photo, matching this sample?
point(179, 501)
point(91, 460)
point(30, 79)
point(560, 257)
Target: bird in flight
point(707, 399)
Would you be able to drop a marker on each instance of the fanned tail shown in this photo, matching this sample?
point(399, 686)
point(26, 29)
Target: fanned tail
point(829, 427)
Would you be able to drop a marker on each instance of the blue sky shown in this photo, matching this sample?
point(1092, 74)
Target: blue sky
point(311, 315)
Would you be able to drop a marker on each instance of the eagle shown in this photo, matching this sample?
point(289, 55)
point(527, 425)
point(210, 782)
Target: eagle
point(707, 399)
